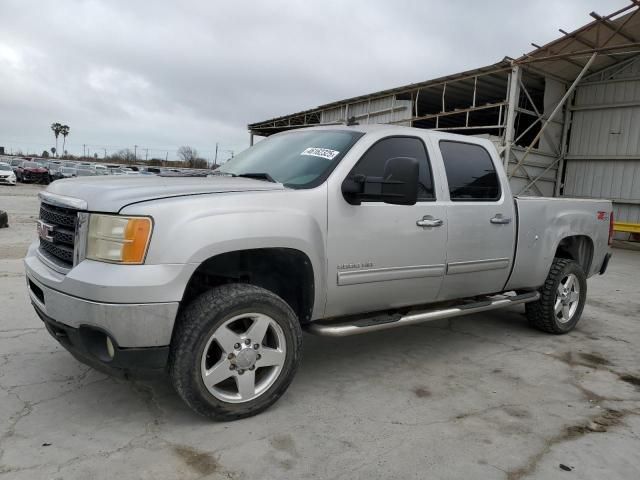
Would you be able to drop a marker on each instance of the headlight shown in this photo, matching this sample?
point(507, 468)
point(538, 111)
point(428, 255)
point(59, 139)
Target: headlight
point(118, 239)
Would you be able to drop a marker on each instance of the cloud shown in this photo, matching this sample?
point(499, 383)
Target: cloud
point(163, 74)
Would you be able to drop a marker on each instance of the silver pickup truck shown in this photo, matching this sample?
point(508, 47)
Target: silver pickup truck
point(333, 230)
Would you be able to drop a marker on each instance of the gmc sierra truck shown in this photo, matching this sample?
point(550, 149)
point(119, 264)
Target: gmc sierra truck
point(336, 230)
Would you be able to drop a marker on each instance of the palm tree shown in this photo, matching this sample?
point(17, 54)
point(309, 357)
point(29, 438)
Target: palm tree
point(56, 131)
point(64, 130)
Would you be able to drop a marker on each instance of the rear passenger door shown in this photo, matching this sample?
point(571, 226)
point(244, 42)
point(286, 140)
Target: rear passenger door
point(480, 222)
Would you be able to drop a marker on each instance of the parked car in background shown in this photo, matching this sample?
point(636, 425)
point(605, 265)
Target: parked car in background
point(64, 172)
point(7, 176)
point(70, 164)
point(83, 171)
point(29, 171)
point(149, 170)
point(101, 170)
point(53, 166)
point(15, 163)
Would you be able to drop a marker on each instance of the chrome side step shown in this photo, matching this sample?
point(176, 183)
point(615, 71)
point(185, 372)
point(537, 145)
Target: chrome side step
point(385, 321)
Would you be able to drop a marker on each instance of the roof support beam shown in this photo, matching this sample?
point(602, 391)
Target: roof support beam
point(553, 114)
point(551, 52)
point(578, 53)
point(583, 41)
point(616, 29)
point(514, 96)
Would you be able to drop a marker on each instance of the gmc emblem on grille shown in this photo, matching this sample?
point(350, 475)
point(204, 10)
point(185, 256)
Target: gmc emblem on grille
point(45, 231)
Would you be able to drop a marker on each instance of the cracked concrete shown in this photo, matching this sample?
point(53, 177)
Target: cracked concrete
point(476, 397)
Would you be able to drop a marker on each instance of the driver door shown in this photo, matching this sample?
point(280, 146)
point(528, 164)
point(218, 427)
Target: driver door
point(383, 256)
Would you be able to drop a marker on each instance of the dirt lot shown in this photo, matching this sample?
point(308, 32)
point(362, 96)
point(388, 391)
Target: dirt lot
point(480, 397)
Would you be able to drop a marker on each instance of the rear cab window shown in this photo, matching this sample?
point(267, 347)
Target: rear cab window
point(471, 174)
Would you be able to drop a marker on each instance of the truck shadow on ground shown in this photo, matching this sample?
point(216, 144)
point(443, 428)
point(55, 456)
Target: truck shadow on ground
point(464, 344)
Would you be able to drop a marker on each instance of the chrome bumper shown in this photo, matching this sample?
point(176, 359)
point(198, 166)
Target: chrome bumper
point(131, 325)
point(126, 304)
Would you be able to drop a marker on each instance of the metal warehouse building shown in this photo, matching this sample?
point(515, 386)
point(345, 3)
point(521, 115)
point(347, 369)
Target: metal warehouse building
point(565, 117)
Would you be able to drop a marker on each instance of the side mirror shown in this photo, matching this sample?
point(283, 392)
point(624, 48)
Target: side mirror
point(397, 186)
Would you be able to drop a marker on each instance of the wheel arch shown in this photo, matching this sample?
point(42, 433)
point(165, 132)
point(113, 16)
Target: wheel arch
point(579, 248)
point(287, 272)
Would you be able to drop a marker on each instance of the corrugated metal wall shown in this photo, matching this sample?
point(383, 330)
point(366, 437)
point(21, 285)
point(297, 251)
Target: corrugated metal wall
point(378, 110)
point(603, 158)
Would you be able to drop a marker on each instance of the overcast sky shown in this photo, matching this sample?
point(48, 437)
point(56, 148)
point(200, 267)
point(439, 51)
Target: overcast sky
point(161, 73)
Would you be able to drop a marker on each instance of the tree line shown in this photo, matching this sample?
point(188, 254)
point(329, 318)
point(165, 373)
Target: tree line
point(187, 155)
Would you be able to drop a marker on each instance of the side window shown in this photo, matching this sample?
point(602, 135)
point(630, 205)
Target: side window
point(373, 161)
point(470, 172)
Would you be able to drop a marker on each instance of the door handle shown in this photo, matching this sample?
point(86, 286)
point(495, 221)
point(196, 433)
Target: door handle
point(500, 220)
point(429, 221)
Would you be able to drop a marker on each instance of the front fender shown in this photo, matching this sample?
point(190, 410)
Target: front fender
point(190, 230)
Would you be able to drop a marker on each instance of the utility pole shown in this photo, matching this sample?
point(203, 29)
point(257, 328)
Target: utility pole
point(146, 154)
point(215, 160)
point(105, 152)
point(135, 152)
point(166, 159)
point(84, 152)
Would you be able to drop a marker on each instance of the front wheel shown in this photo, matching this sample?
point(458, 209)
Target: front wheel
point(235, 351)
point(562, 298)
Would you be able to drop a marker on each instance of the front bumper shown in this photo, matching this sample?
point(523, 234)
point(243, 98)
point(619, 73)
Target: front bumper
point(8, 180)
point(88, 345)
point(140, 334)
point(35, 177)
point(131, 325)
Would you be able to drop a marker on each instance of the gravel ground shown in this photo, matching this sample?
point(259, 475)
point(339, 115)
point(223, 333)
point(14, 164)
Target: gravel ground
point(478, 397)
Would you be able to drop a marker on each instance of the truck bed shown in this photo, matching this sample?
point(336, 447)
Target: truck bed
point(542, 224)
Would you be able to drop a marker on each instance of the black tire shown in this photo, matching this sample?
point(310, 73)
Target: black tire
point(197, 323)
point(541, 314)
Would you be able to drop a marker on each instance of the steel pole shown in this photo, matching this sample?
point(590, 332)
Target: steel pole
point(514, 95)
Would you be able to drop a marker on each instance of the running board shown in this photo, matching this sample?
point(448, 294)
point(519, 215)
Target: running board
point(385, 321)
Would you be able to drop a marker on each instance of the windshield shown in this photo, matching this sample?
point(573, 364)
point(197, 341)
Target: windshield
point(5, 167)
point(68, 170)
point(299, 159)
point(30, 165)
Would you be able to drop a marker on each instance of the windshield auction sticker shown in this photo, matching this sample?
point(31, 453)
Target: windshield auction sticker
point(321, 152)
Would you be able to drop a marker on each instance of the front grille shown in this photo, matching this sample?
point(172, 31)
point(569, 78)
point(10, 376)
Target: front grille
point(64, 222)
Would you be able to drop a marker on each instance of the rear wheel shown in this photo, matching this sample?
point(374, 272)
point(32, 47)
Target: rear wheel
point(562, 298)
point(235, 351)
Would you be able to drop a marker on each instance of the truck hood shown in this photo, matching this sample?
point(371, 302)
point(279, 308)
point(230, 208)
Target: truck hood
point(109, 194)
